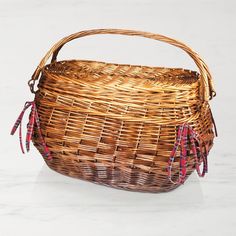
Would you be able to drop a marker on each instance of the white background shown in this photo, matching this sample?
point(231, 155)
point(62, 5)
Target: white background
point(37, 201)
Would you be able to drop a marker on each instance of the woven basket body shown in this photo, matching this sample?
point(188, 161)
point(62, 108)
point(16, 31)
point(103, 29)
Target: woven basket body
point(117, 124)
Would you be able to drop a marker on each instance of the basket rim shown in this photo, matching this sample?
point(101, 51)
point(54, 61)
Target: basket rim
point(90, 61)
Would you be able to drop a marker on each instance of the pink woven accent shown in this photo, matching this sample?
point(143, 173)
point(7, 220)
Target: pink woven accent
point(33, 119)
point(187, 136)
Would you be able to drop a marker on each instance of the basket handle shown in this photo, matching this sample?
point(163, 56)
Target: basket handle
point(207, 91)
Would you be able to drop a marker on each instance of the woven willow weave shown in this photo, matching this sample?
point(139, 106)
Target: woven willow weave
point(116, 124)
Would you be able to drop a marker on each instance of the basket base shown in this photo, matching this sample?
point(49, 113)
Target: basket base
point(120, 181)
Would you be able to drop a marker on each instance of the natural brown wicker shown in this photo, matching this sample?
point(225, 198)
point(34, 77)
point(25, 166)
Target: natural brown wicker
point(116, 124)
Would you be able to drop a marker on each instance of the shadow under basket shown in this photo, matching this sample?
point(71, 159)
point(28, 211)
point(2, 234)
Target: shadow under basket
point(131, 127)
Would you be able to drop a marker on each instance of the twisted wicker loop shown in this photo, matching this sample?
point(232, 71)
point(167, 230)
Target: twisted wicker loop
point(206, 84)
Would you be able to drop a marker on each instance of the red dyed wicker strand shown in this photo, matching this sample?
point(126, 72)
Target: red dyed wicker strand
point(174, 150)
point(187, 135)
point(195, 140)
point(33, 119)
point(183, 154)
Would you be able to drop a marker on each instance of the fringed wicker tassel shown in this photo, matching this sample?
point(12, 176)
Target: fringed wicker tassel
point(33, 119)
point(186, 135)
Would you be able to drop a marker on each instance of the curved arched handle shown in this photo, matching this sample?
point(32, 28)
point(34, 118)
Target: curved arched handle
point(206, 85)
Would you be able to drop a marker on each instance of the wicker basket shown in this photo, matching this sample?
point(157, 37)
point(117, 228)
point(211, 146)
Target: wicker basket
point(132, 127)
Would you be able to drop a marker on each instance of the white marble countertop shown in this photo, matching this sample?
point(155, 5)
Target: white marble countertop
point(37, 201)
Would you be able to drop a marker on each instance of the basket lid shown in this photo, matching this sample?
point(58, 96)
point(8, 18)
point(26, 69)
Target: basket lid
point(114, 74)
